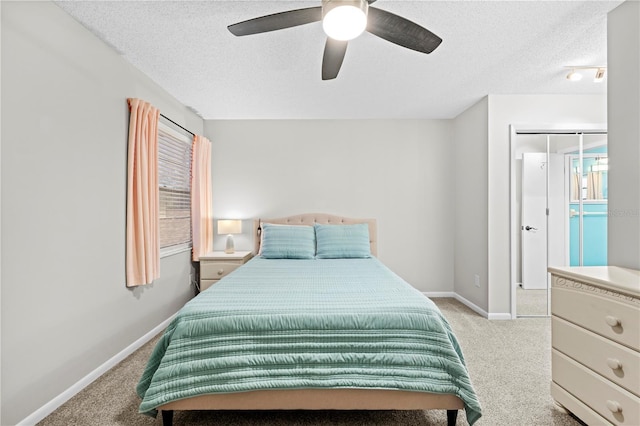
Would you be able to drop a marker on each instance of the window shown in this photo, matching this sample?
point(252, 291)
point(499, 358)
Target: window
point(174, 177)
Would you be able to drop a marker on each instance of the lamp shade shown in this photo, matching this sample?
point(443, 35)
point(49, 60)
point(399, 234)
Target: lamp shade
point(230, 226)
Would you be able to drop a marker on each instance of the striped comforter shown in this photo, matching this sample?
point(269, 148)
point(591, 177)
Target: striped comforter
point(290, 324)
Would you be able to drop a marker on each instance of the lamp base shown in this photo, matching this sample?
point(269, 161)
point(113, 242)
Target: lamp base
point(229, 249)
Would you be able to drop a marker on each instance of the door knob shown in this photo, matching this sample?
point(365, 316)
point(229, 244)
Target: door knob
point(530, 228)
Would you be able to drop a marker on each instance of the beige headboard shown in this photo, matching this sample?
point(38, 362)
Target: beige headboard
point(321, 218)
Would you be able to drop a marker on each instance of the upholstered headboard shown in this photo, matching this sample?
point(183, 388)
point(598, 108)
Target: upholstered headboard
point(321, 218)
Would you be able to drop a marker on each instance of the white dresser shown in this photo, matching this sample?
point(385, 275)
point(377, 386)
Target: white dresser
point(596, 343)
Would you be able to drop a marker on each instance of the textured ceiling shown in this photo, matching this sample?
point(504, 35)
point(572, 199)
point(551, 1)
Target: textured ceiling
point(489, 47)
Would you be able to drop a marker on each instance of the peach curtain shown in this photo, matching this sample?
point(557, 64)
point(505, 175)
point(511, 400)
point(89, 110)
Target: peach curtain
point(594, 186)
point(143, 247)
point(575, 186)
point(201, 210)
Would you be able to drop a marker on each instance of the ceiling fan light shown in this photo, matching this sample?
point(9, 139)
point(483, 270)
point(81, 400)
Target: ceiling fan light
point(344, 20)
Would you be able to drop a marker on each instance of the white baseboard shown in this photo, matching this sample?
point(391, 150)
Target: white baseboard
point(471, 305)
point(56, 402)
point(436, 294)
point(476, 308)
point(500, 316)
point(459, 298)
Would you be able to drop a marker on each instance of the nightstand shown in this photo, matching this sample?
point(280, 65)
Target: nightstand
point(215, 265)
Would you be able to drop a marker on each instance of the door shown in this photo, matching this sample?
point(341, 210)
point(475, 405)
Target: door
point(534, 221)
point(539, 247)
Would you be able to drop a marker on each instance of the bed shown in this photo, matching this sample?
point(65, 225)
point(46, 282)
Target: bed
point(294, 329)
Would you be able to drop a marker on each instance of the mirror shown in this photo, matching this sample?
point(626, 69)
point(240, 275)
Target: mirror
point(560, 207)
point(591, 181)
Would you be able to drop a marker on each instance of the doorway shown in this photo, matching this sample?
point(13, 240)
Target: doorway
point(558, 207)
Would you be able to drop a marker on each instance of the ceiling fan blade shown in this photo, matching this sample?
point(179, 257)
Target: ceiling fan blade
point(401, 31)
point(277, 21)
point(334, 51)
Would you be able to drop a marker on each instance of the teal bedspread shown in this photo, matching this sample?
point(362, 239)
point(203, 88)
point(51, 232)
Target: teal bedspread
point(290, 324)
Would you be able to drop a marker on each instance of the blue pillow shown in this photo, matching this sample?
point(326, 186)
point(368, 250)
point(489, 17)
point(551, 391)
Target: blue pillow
point(342, 241)
point(287, 242)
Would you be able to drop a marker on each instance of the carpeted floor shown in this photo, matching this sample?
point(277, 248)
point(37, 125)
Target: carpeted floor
point(509, 363)
point(531, 302)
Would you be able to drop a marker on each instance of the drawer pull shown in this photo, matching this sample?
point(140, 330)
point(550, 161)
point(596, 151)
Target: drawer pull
point(220, 271)
point(614, 406)
point(612, 321)
point(614, 364)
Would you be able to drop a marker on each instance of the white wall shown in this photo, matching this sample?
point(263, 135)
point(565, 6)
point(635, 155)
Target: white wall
point(623, 56)
point(521, 110)
point(65, 308)
point(470, 140)
point(397, 171)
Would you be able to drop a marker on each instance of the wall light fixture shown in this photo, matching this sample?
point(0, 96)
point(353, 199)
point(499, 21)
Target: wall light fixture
point(575, 75)
point(599, 75)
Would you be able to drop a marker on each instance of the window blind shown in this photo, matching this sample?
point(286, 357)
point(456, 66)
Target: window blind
point(174, 179)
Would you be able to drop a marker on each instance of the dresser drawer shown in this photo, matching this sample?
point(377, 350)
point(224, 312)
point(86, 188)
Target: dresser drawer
point(612, 319)
point(576, 407)
point(615, 404)
point(216, 270)
point(599, 354)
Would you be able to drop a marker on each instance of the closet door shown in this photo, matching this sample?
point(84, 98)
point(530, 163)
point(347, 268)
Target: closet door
point(534, 221)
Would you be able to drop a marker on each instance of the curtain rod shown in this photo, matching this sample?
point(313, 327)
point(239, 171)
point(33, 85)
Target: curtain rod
point(168, 119)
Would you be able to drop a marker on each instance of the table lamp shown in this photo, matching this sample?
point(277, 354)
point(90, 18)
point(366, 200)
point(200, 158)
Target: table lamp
point(229, 227)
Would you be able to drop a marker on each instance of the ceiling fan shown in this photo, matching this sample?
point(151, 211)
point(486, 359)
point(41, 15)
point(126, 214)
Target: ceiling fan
point(344, 20)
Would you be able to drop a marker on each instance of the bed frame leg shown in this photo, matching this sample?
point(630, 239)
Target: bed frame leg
point(167, 417)
point(452, 416)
